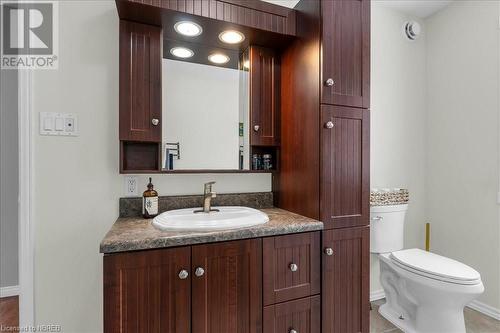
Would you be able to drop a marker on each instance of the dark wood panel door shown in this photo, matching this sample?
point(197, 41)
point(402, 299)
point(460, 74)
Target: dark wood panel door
point(345, 166)
point(147, 292)
point(346, 280)
point(227, 287)
point(302, 315)
point(140, 82)
point(291, 267)
point(264, 97)
point(346, 52)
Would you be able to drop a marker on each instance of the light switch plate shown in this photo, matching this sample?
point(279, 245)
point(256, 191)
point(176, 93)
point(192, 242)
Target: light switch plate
point(58, 124)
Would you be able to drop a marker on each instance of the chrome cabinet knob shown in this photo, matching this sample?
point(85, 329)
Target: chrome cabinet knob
point(199, 272)
point(329, 82)
point(256, 128)
point(183, 274)
point(293, 331)
point(329, 124)
point(293, 267)
point(329, 251)
point(155, 121)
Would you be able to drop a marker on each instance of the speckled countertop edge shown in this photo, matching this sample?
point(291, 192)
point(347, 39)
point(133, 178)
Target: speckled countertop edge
point(135, 233)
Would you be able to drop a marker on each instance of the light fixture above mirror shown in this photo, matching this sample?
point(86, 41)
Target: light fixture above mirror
point(188, 28)
point(218, 58)
point(231, 37)
point(182, 52)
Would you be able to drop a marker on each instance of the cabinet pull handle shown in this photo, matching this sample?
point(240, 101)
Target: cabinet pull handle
point(329, 251)
point(293, 331)
point(199, 271)
point(183, 274)
point(293, 267)
point(329, 82)
point(329, 124)
point(155, 121)
point(256, 128)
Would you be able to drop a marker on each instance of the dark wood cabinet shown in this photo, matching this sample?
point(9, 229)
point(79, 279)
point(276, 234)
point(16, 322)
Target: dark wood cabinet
point(291, 267)
point(264, 97)
point(346, 280)
point(302, 316)
point(143, 292)
point(227, 297)
point(346, 52)
point(140, 82)
point(345, 169)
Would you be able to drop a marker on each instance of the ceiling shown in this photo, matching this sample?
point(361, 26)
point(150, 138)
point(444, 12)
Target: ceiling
point(284, 3)
point(419, 8)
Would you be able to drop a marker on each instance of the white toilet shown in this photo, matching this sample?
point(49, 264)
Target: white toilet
point(424, 292)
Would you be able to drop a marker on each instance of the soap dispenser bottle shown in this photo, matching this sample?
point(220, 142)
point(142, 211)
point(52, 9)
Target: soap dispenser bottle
point(149, 202)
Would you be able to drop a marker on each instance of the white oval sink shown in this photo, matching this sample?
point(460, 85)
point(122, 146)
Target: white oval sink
point(226, 218)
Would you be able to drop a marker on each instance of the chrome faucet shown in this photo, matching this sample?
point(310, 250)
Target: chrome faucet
point(208, 195)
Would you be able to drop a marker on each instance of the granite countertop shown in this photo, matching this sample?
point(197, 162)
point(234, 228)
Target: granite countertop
point(136, 233)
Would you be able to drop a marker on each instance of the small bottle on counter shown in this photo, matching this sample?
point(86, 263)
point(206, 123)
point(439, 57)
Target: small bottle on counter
point(149, 202)
point(256, 162)
point(267, 161)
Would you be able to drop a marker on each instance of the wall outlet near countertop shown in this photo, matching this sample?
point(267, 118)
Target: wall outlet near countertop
point(131, 186)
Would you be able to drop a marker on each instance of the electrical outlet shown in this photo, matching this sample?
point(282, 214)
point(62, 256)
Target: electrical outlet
point(131, 186)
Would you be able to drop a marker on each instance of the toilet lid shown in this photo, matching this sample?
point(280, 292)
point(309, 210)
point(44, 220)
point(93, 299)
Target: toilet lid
point(436, 266)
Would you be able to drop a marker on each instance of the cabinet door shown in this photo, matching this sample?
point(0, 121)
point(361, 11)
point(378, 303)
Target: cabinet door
point(291, 267)
point(227, 287)
point(264, 96)
point(302, 316)
point(143, 292)
point(346, 274)
point(346, 52)
point(345, 167)
point(140, 82)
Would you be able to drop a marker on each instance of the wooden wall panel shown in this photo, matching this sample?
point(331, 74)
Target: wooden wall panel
point(346, 281)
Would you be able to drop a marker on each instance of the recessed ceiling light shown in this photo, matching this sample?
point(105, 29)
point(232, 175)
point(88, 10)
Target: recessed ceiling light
point(218, 58)
point(182, 52)
point(188, 28)
point(231, 37)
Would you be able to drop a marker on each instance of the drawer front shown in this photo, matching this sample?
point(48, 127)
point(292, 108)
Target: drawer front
point(291, 267)
point(300, 316)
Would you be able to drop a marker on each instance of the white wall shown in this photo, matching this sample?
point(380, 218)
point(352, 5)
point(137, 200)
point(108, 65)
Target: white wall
point(8, 179)
point(201, 112)
point(462, 130)
point(398, 119)
point(76, 180)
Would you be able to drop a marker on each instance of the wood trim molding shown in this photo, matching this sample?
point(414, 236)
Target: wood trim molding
point(25, 208)
point(9, 291)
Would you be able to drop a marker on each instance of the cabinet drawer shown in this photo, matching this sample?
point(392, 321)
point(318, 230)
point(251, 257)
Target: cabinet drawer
point(291, 267)
point(301, 316)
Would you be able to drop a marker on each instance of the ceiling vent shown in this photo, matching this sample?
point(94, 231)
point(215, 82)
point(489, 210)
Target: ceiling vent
point(412, 30)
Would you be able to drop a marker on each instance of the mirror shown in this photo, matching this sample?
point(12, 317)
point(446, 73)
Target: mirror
point(205, 112)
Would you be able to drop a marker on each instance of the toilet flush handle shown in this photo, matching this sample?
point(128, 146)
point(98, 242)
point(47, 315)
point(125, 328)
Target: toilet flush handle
point(377, 218)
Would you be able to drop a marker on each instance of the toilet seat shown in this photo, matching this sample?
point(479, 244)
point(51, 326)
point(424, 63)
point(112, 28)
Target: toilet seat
point(434, 266)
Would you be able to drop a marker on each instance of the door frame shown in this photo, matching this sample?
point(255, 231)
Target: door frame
point(26, 235)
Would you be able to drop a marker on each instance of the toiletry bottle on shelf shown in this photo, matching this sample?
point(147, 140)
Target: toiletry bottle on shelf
point(149, 202)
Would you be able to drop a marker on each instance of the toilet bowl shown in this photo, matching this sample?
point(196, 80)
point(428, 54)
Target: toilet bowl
point(425, 292)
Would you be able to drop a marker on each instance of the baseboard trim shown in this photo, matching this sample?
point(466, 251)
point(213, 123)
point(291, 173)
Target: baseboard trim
point(376, 295)
point(9, 291)
point(475, 305)
point(485, 309)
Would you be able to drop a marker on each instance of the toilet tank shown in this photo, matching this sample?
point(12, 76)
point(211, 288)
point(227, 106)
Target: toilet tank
point(387, 228)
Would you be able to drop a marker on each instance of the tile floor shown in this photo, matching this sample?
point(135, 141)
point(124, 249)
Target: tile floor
point(475, 322)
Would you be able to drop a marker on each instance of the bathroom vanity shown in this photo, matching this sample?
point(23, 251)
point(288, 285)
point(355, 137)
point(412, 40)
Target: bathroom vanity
point(302, 82)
